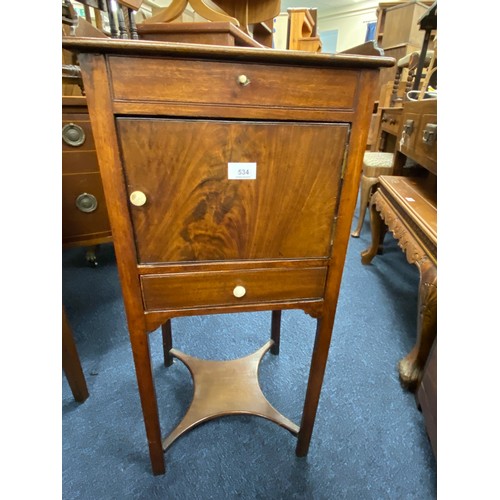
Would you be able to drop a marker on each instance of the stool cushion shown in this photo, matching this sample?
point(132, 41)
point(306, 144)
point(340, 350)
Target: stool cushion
point(377, 163)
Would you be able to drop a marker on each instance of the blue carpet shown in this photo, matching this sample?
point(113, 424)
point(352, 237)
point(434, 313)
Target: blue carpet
point(369, 440)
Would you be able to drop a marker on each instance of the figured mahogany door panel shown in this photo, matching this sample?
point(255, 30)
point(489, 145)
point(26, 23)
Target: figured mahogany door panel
point(194, 212)
point(84, 210)
point(223, 288)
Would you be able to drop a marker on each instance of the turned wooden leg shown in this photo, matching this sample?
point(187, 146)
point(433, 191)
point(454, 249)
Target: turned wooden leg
point(166, 334)
point(315, 381)
point(275, 332)
point(71, 363)
point(142, 360)
point(364, 197)
point(378, 230)
point(411, 367)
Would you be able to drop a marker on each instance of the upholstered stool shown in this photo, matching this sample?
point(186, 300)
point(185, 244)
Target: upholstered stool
point(374, 164)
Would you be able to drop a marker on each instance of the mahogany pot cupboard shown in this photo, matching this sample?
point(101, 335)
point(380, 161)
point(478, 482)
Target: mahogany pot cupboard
point(231, 177)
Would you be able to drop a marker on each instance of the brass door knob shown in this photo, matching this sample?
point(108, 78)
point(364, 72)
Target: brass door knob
point(243, 80)
point(138, 198)
point(86, 203)
point(239, 291)
point(73, 135)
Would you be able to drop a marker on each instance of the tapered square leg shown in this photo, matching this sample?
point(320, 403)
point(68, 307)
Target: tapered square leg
point(315, 381)
point(275, 332)
point(166, 334)
point(71, 363)
point(145, 382)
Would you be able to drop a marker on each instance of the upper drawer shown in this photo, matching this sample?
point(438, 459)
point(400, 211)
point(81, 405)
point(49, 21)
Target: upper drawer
point(238, 84)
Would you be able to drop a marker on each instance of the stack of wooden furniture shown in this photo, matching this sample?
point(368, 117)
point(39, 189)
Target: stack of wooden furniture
point(246, 23)
point(394, 22)
point(398, 31)
point(302, 30)
point(405, 203)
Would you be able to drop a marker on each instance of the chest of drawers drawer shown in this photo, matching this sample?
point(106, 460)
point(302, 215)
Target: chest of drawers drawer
point(84, 213)
point(390, 121)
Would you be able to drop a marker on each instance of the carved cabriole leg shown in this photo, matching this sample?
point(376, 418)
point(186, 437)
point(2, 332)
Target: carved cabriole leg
point(378, 231)
point(364, 197)
point(411, 367)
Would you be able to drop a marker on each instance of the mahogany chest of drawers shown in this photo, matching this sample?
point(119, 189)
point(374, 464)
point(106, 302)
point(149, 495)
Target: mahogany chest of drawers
point(231, 177)
point(84, 213)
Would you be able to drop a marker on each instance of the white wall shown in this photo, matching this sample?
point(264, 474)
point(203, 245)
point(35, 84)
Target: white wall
point(351, 23)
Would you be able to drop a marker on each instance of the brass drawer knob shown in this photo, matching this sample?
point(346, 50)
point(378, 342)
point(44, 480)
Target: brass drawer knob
point(239, 291)
point(138, 198)
point(243, 80)
point(73, 135)
point(86, 203)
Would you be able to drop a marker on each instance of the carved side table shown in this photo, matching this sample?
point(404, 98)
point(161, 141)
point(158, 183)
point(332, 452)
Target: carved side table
point(407, 206)
point(231, 178)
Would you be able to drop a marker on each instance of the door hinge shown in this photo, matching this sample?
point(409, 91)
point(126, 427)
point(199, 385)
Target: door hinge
point(346, 151)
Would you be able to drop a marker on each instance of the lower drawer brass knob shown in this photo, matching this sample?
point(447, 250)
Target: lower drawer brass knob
point(239, 291)
point(86, 202)
point(138, 198)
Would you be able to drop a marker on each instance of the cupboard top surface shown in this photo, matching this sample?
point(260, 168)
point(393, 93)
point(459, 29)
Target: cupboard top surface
point(251, 54)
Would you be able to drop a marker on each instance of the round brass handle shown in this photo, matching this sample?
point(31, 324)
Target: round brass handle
point(73, 135)
point(243, 80)
point(138, 198)
point(239, 291)
point(86, 202)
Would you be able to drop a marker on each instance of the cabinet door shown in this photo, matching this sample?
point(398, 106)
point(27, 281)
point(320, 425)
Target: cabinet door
point(194, 211)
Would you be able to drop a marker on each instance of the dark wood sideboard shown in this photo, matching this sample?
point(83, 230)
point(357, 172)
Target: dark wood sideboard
point(231, 176)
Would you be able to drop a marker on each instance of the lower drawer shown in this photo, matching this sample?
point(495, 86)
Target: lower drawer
point(226, 288)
